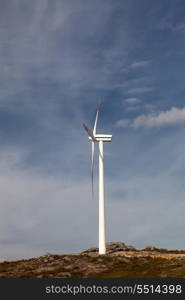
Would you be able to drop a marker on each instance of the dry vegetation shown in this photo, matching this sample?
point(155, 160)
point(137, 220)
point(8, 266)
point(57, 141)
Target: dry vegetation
point(125, 261)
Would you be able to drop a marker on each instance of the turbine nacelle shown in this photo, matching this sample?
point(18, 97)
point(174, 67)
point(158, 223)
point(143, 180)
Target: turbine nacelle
point(101, 137)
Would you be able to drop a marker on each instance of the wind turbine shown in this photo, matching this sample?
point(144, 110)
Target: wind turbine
point(100, 139)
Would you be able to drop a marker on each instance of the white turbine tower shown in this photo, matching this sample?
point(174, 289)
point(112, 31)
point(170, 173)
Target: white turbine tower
point(99, 138)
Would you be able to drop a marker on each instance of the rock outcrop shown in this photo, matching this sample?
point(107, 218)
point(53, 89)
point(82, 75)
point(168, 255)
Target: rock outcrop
point(112, 247)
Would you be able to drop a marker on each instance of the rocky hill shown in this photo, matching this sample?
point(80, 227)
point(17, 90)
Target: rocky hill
point(120, 261)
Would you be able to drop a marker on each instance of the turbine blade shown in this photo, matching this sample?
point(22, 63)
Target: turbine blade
point(90, 132)
point(96, 119)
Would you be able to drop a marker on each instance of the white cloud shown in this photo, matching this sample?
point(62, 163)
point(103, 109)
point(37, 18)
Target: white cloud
point(123, 123)
point(167, 23)
point(173, 116)
point(150, 107)
point(139, 90)
point(147, 198)
point(138, 64)
point(36, 210)
point(133, 108)
point(133, 100)
point(180, 27)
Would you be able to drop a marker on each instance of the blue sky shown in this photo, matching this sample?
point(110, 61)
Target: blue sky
point(58, 59)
